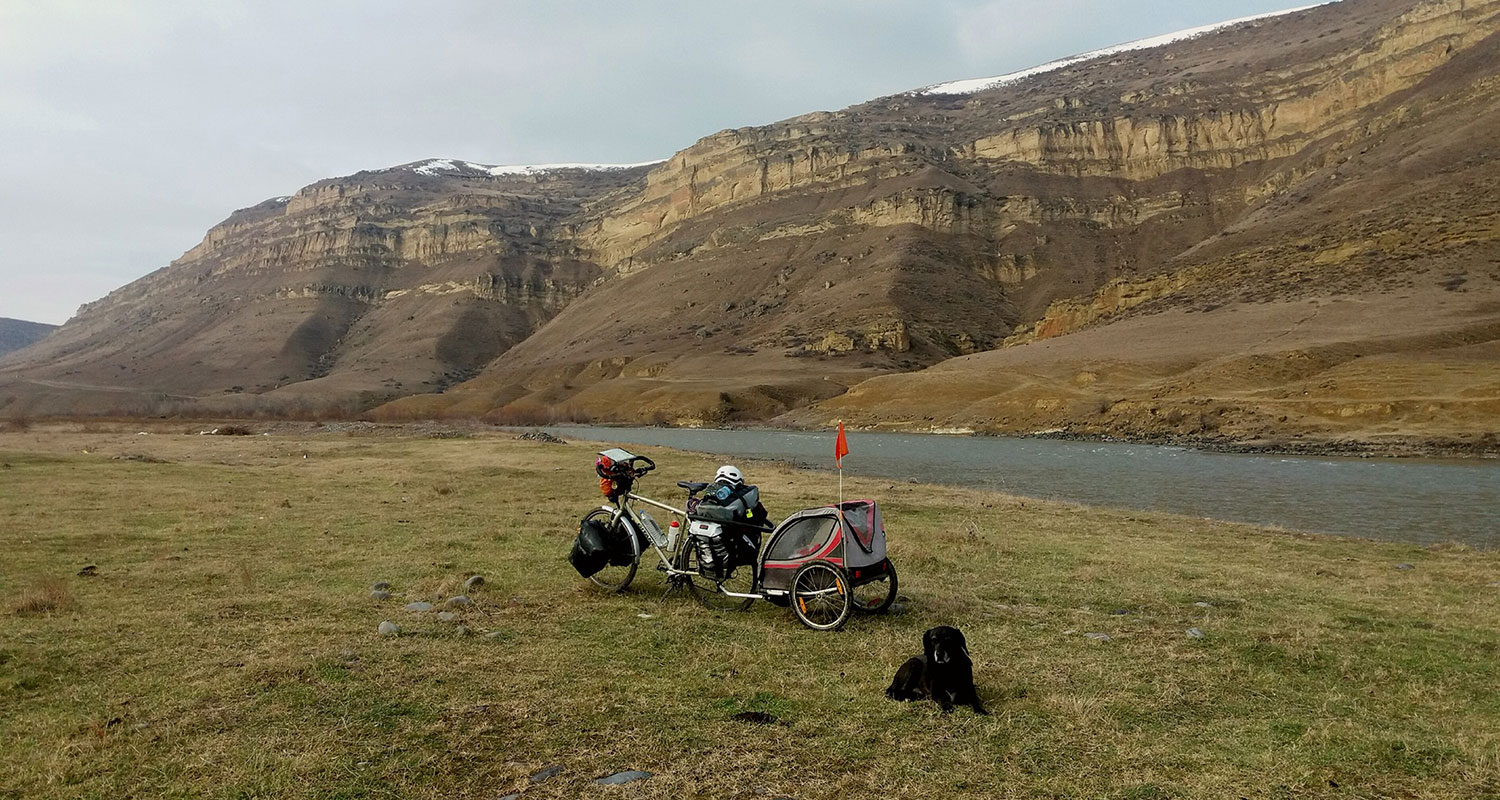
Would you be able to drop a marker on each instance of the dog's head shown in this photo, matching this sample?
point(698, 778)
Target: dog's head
point(944, 644)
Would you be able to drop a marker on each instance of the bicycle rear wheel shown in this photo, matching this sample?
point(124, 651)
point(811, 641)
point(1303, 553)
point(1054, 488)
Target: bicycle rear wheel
point(706, 591)
point(613, 578)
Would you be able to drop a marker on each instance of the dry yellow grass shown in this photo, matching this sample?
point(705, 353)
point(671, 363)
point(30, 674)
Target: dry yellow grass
point(227, 646)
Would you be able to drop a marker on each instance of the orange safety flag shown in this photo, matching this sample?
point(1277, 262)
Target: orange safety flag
point(840, 447)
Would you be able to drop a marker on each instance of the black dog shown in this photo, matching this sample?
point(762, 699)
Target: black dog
point(943, 672)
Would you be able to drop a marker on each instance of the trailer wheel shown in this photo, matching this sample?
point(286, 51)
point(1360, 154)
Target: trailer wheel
point(821, 596)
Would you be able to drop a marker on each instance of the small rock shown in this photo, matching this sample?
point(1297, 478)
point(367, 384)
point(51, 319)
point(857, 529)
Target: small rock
point(1120, 612)
point(624, 777)
point(1194, 633)
point(88, 571)
point(380, 586)
point(495, 635)
point(512, 796)
point(419, 606)
point(380, 594)
point(546, 772)
point(464, 630)
point(474, 582)
point(459, 601)
point(646, 616)
point(1070, 632)
point(1405, 566)
point(388, 628)
point(447, 616)
point(1098, 637)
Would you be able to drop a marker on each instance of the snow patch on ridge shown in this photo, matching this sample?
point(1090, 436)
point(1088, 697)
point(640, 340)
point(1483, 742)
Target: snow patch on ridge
point(972, 85)
point(448, 166)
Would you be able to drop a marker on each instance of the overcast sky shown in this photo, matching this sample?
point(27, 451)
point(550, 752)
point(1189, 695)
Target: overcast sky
point(128, 128)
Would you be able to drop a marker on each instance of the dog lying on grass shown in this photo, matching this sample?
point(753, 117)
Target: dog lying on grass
point(943, 672)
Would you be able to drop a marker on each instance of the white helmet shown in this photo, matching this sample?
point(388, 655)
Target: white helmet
point(729, 473)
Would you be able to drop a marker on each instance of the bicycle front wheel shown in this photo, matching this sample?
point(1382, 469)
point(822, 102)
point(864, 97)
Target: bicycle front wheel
point(613, 578)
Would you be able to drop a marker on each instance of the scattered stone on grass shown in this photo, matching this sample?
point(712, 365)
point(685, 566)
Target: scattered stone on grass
point(380, 594)
point(624, 777)
point(757, 717)
point(1098, 637)
point(465, 630)
point(646, 616)
point(546, 772)
point(474, 582)
point(388, 628)
point(1405, 566)
point(540, 436)
point(1203, 604)
point(1194, 633)
point(447, 616)
point(459, 601)
point(88, 571)
point(512, 796)
point(419, 606)
point(497, 635)
point(1120, 612)
point(380, 586)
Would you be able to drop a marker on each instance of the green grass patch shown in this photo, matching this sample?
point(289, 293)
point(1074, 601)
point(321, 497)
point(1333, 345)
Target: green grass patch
point(226, 646)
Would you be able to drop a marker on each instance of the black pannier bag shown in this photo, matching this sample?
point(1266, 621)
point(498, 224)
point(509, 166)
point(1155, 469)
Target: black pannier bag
point(592, 549)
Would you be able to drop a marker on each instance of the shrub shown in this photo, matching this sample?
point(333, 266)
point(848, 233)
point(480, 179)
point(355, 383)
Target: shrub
point(48, 594)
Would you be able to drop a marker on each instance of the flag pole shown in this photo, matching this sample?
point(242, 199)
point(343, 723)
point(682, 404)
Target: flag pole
point(840, 449)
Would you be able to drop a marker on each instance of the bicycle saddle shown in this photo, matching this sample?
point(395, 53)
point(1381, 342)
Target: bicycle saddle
point(693, 486)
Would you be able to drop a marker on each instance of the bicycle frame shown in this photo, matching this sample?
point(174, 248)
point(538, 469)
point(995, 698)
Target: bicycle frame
point(623, 513)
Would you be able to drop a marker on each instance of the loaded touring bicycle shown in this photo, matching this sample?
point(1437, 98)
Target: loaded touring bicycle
point(824, 563)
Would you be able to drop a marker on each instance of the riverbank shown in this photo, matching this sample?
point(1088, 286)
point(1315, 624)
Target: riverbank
point(227, 616)
point(1406, 446)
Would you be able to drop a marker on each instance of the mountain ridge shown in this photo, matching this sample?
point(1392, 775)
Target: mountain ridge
point(16, 334)
point(763, 270)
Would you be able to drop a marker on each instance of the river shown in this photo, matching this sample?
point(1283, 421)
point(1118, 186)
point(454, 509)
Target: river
point(1406, 500)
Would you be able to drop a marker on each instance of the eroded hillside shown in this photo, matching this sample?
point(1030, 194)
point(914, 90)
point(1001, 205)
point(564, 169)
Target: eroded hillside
point(767, 268)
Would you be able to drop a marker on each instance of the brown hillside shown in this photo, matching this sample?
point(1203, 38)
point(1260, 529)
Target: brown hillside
point(766, 268)
point(1363, 301)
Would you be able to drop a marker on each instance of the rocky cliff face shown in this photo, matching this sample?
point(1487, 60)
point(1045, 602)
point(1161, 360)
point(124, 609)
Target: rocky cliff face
point(766, 268)
point(351, 291)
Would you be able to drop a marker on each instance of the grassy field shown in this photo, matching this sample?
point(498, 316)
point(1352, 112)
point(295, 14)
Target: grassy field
point(226, 645)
